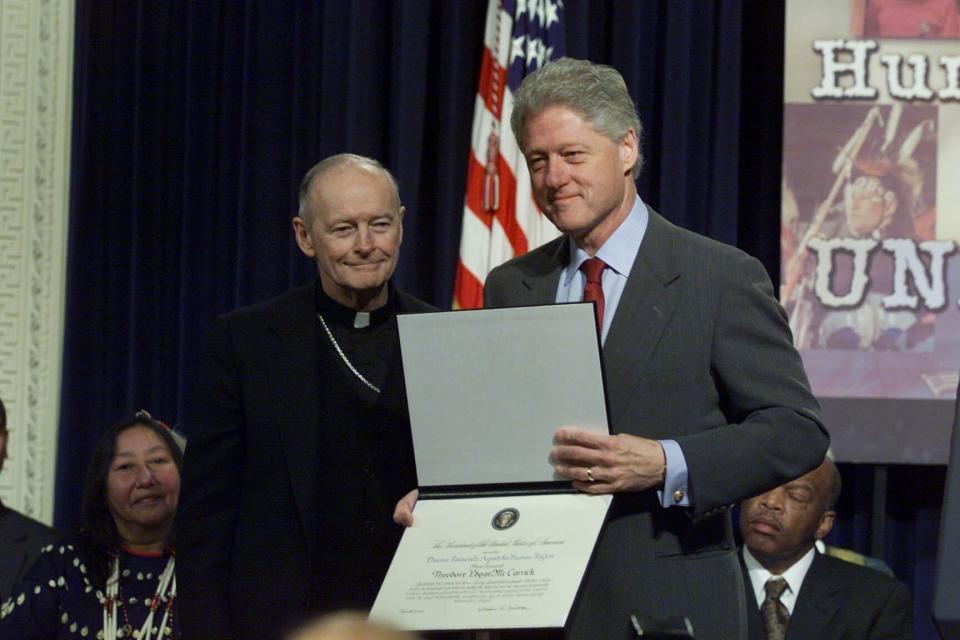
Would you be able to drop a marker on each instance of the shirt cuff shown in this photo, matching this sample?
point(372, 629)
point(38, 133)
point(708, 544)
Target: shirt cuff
point(674, 492)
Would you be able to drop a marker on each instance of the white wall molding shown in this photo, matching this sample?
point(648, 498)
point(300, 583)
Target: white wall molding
point(36, 85)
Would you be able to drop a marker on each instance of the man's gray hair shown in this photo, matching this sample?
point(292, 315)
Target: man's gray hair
point(595, 91)
point(305, 209)
point(836, 481)
point(836, 486)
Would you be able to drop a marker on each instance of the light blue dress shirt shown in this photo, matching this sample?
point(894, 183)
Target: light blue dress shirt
point(619, 252)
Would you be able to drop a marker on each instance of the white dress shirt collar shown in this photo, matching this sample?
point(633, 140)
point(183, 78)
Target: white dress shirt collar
point(620, 249)
point(794, 577)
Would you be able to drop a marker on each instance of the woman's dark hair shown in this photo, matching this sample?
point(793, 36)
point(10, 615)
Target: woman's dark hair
point(98, 536)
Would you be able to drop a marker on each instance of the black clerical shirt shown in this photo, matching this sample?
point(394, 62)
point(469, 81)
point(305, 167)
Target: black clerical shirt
point(366, 450)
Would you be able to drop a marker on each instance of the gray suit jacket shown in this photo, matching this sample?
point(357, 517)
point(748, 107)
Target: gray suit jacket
point(21, 539)
point(699, 351)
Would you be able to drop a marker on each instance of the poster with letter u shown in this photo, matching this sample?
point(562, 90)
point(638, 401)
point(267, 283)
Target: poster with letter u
point(870, 274)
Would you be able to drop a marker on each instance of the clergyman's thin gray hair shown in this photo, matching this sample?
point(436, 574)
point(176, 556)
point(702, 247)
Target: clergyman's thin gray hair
point(305, 209)
point(595, 91)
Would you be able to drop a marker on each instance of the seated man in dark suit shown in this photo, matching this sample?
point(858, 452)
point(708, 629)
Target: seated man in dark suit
point(21, 538)
point(799, 593)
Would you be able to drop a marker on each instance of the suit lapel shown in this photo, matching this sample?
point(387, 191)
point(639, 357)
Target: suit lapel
point(645, 307)
point(755, 630)
point(10, 541)
point(540, 278)
point(817, 603)
point(295, 386)
point(394, 392)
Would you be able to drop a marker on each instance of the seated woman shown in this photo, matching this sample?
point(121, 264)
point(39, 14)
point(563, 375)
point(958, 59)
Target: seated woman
point(115, 578)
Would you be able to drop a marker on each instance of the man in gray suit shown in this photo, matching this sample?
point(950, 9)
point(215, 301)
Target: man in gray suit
point(21, 538)
point(708, 399)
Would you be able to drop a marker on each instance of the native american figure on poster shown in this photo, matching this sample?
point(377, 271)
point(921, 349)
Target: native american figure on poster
point(845, 283)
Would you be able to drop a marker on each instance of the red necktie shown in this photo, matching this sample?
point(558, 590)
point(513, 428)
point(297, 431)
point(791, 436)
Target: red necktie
point(593, 291)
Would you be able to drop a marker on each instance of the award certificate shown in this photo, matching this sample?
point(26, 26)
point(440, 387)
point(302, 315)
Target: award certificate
point(491, 563)
point(499, 541)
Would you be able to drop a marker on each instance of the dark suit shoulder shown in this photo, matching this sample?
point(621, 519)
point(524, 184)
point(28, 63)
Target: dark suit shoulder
point(536, 261)
point(265, 308)
point(14, 525)
point(857, 576)
point(868, 603)
point(691, 247)
point(21, 540)
point(303, 297)
point(412, 304)
point(526, 279)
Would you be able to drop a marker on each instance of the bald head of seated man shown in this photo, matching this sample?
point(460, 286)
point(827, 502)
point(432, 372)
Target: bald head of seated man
point(349, 625)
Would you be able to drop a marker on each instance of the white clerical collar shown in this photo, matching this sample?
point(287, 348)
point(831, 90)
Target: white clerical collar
point(794, 577)
point(347, 317)
point(361, 320)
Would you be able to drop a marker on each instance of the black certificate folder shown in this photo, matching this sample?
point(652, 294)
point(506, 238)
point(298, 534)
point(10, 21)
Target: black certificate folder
point(510, 542)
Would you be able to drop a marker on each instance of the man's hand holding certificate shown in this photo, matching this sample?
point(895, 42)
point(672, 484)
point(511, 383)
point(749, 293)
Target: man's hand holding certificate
point(603, 463)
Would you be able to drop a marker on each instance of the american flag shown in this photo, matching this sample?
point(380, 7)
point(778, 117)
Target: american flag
point(500, 219)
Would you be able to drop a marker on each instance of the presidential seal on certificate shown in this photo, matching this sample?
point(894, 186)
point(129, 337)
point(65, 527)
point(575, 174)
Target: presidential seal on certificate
point(498, 541)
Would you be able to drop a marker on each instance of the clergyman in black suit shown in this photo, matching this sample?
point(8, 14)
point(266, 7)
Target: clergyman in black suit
point(300, 445)
point(708, 398)
point(793, 591)
point(21, 538)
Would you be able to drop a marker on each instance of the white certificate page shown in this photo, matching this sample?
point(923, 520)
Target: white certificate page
point(491, 563)
point(488, 388)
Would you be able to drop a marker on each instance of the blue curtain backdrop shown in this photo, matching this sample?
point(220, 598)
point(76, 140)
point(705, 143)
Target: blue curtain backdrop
point(194, 121)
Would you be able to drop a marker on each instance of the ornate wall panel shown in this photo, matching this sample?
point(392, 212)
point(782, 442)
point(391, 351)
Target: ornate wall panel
point(36, 70)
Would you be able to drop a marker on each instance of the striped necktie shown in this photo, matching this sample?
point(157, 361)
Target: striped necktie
point(775, 614)
point(593, 291)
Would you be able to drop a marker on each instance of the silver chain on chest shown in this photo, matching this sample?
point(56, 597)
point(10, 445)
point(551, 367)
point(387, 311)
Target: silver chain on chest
point(344, 357)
